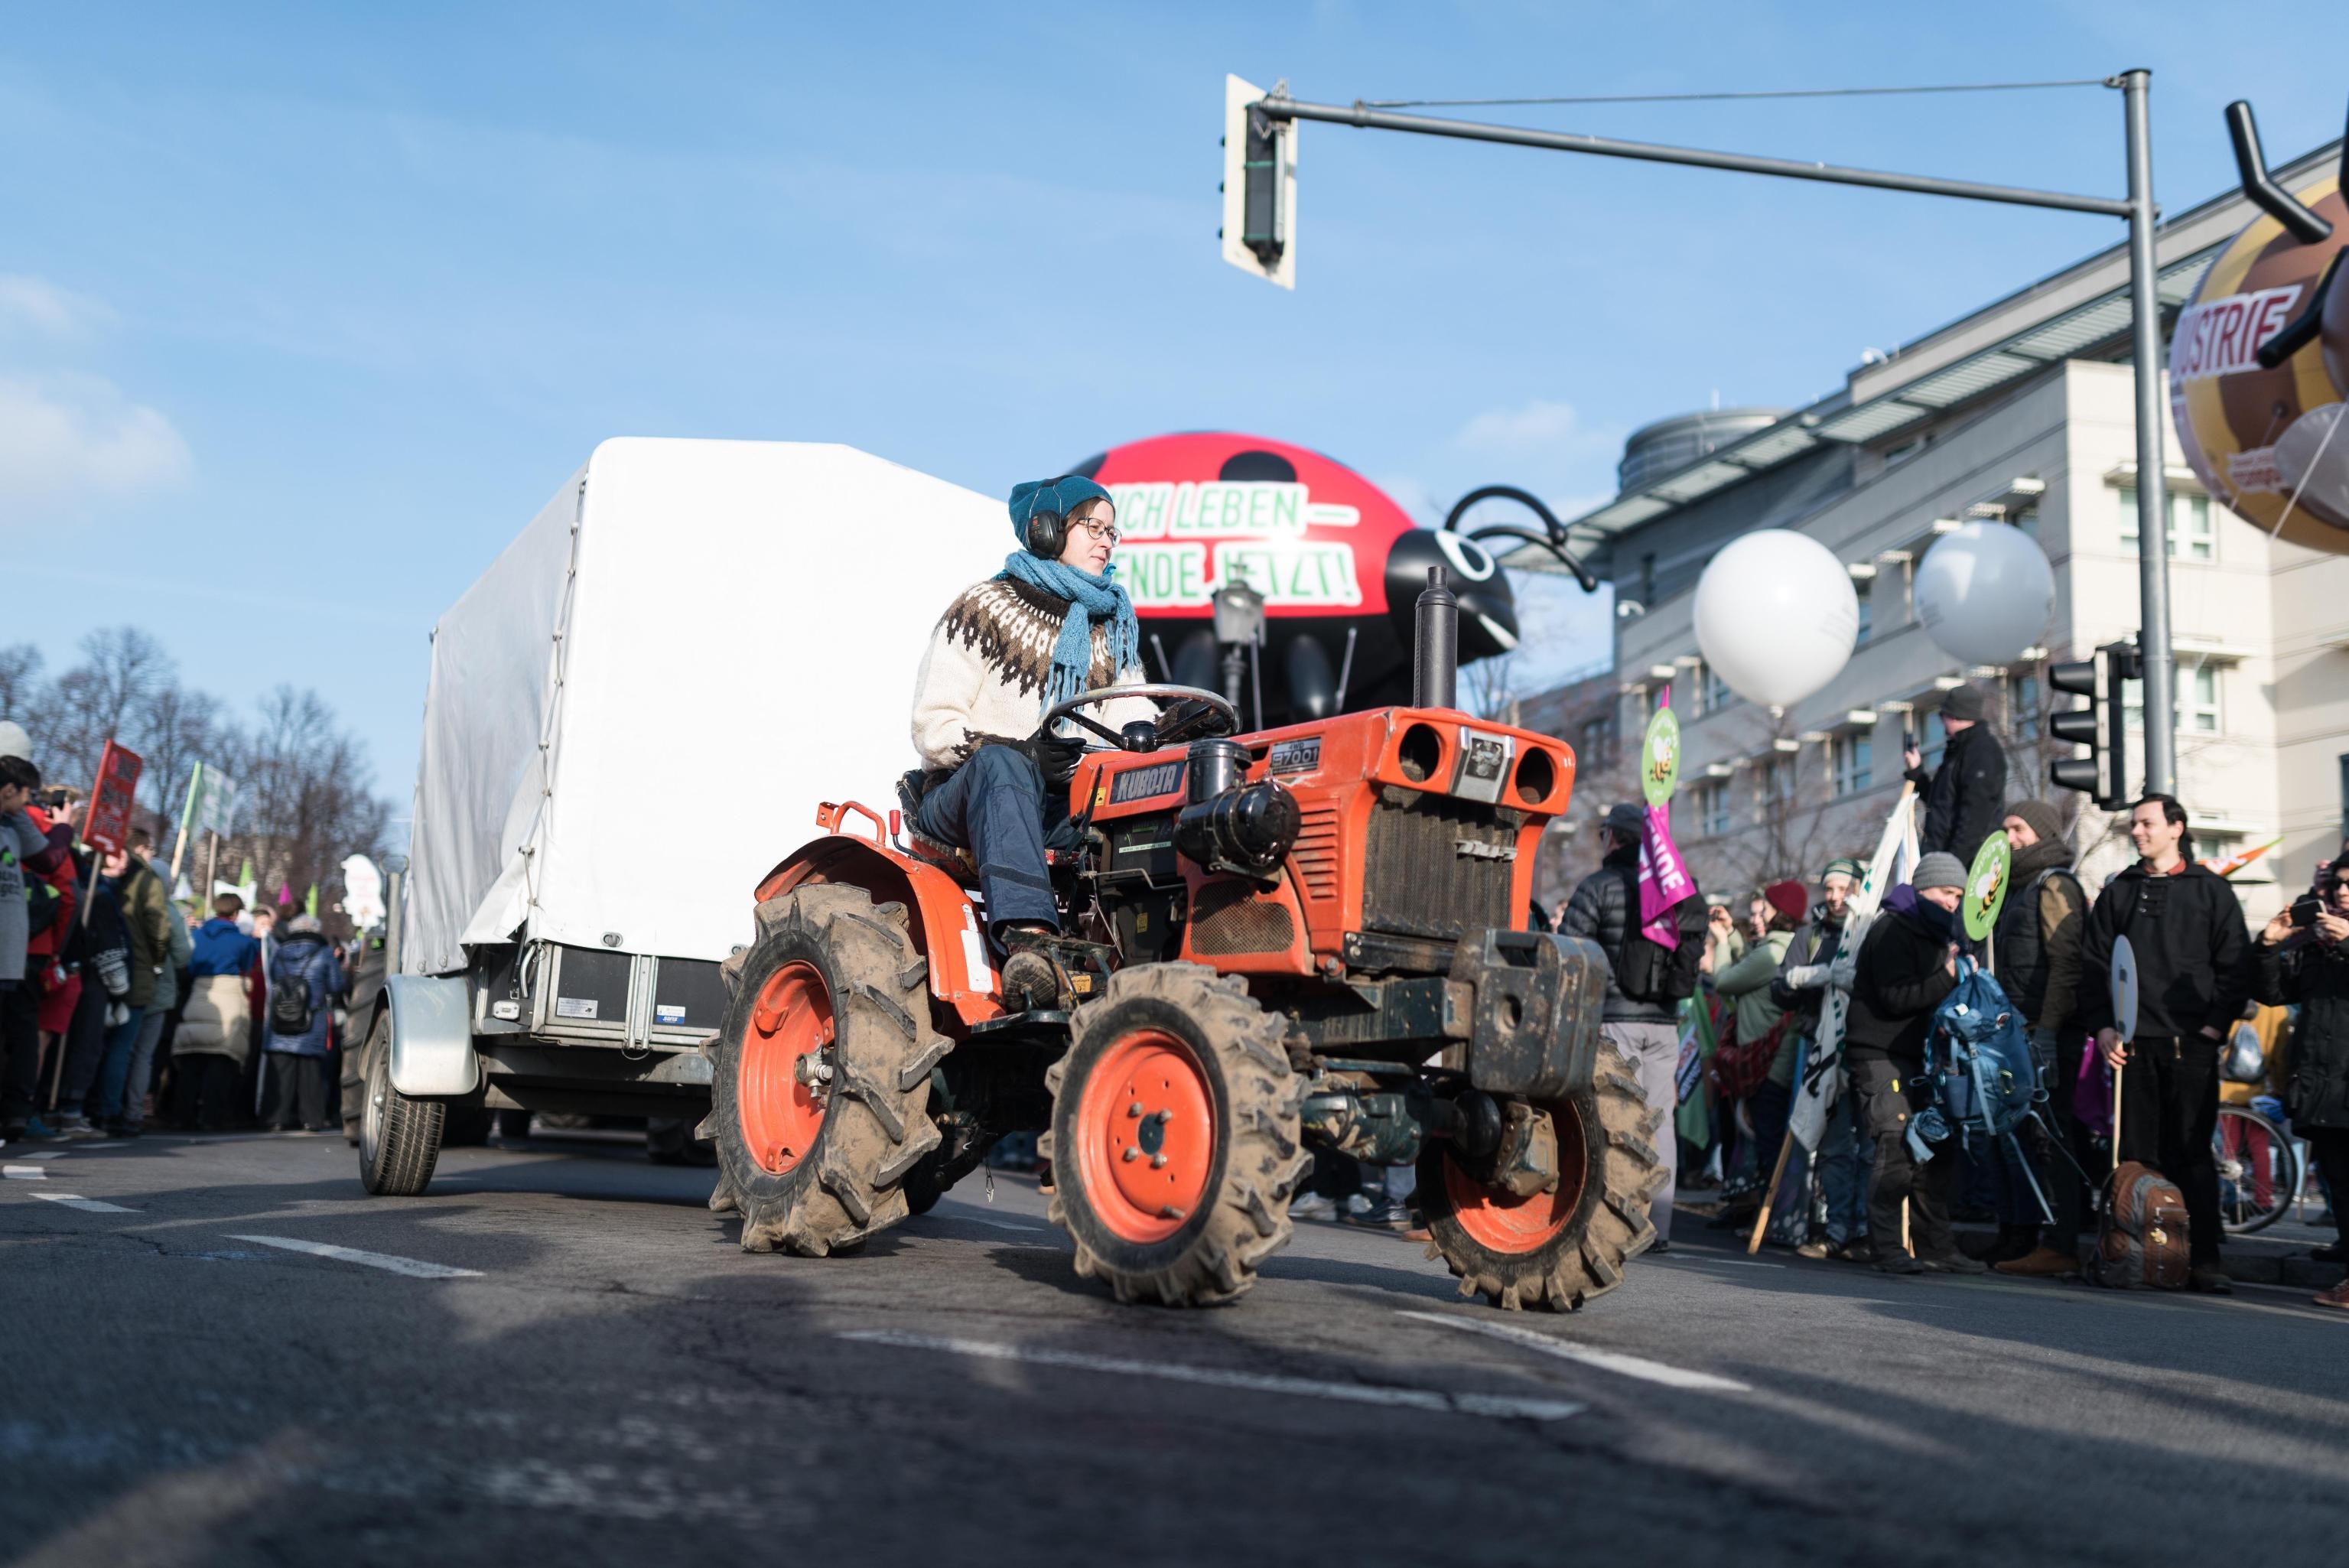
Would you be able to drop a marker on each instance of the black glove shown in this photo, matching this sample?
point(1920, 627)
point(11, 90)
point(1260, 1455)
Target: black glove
point(1055, 757)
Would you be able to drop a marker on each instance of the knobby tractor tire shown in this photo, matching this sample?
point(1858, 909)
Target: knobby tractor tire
point(1555, 1249)
point(814, 1168)
point(399, 1137)
point(1175, 1142)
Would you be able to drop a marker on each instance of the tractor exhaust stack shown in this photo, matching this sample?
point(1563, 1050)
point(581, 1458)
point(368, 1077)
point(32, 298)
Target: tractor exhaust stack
point(1435, 646)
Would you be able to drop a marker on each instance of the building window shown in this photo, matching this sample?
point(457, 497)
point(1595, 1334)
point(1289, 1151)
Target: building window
point(1597, 748)
point(2022, 706)
point(2193, 535)
point(1712, 810)
point(1712, 693)
point(1933, 740)
point(1775, 788)
point(1860, 587)
point(2197, 700)
point(1853, 763)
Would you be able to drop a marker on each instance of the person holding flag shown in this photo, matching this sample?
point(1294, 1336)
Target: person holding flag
point(1640, 908)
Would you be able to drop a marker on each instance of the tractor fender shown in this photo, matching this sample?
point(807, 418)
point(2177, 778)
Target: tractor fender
point(944, 926)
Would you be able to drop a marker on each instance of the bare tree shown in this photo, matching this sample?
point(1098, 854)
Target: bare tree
point(174, 730)
point(306, 799)
point(20, 680)
point(122, 669)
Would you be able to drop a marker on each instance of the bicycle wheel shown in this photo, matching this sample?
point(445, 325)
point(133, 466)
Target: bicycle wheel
point(2259, 1168)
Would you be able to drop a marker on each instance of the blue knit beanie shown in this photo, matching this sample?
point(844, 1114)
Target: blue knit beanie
point(1062, 495)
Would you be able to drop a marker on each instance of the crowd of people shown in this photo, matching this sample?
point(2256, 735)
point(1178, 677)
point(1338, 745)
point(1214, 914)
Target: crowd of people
point(1873, 1191)
point(120, 1004)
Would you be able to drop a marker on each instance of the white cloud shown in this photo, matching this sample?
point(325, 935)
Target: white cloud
point(38, 306)
point(70, 437)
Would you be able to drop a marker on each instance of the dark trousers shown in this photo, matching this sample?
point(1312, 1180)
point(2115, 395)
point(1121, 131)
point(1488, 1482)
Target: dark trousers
point(2328, 1148)
point(84, 1045)
point(2067, 1178)
point(296, 1082)
point(996, 806)
point(2169, 1109)
point(204, 1086)
point(20, 1050)
point(1888, 1097)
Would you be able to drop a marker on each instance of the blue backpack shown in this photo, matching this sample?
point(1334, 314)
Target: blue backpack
point(1978, 1060)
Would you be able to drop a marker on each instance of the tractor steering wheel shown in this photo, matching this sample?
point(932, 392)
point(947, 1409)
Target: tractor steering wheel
point(1219, 712)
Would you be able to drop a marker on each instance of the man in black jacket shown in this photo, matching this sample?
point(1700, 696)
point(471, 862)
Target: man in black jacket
point(1605, 909)
point(2186, 929)
point(2308, 965)
point(1965, 796)
point(2037, 943)
point(1908, 964)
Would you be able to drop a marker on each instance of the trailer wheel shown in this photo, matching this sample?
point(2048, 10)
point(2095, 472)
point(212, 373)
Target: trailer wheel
point(399, 1137)
point(820, 1073)
point(1561, 1248)
point(1174, 1139)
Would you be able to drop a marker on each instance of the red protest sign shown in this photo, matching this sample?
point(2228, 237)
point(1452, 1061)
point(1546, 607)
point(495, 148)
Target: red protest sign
point(107, 824)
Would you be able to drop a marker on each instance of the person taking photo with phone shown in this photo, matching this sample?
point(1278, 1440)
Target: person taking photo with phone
point(2302, 958)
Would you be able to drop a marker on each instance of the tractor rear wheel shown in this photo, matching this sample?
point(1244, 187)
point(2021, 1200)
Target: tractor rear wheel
point(1560, 1248)
point(820, 1073)
point(1174, 1139)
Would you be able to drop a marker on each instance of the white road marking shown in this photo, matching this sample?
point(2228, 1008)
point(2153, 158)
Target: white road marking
point(1732, 1263)
point(87, 1205)
point(1614, 1361)
point(44, 1154)
point(412, 1267)
point(1504, 1406)
point(24, 1172)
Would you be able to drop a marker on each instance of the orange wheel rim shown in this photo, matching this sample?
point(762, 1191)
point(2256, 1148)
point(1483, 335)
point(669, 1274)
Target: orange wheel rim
point(791, 1022)
point(1146, 1135)
point(1502, 1222)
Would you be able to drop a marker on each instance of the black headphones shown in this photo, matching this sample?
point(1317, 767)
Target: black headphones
point(1048, 535)
point(1047, 532)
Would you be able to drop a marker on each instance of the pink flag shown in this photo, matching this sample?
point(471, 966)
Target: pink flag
point(1664, 881)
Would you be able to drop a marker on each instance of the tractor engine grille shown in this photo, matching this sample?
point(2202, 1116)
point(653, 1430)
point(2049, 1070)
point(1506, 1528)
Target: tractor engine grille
point(1228, 919)
point(1436, 868)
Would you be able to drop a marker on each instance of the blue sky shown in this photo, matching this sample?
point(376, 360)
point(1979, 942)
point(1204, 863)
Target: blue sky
point(304, 310)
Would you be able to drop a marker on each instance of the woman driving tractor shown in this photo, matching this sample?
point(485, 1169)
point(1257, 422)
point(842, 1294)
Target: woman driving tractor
point(1052, 623)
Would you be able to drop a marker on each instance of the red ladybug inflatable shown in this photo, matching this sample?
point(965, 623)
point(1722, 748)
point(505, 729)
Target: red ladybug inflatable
point(1338, 563)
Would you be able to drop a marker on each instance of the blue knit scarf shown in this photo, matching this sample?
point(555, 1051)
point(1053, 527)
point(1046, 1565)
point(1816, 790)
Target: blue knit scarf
point(1088, 596)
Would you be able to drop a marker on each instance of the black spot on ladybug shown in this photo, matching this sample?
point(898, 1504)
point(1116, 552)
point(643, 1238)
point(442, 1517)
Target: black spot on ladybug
point(1090, 467)
point(1255, 467)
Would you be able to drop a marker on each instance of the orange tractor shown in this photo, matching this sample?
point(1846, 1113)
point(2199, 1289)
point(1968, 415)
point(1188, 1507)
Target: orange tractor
point(1311, 937)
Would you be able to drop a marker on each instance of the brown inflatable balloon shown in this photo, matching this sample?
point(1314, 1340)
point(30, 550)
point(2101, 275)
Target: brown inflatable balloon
point(2272, 444)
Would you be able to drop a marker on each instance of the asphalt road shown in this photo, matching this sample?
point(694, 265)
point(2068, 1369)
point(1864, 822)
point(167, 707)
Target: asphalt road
point(558, 1356)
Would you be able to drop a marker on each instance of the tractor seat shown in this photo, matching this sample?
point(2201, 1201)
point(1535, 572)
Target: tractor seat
point(955, 862)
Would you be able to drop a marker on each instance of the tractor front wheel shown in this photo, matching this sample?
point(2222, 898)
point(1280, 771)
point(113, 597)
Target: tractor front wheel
point(1555, 1249)
point(819, 1077)
point(1174, 1139)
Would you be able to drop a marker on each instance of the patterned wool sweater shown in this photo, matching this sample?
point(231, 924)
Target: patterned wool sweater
point(983, 675)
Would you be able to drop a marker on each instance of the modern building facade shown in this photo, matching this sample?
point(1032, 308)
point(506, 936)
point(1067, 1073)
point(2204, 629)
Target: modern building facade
point(2021, 412)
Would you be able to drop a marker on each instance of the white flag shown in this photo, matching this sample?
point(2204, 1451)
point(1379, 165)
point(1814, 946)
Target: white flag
point(1821, 1079)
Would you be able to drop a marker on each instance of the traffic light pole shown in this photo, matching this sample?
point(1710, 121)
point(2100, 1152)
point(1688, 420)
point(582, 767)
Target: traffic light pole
point(2137, 208)
point(2155, 655)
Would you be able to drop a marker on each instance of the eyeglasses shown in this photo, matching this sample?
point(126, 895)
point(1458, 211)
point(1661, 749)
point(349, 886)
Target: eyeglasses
point(1106, 533)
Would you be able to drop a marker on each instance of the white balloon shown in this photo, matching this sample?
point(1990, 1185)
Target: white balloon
point(1776, 615)
point(1985, 592)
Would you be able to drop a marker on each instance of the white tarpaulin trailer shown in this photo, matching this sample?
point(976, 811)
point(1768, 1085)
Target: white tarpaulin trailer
point(635, 711)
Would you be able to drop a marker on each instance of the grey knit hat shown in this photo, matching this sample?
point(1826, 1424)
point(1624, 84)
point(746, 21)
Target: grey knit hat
point(1627, 819)
point(1938, 869)
point(1963, 702)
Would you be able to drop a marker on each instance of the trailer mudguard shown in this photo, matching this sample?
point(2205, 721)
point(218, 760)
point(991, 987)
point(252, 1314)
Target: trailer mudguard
point(431, 1037)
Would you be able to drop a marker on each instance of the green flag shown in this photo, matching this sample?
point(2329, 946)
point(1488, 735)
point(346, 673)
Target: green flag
point(310, 902)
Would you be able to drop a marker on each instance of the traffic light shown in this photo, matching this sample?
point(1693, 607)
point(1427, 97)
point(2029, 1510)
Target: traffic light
point(1259, 231)
point(2102, 726)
